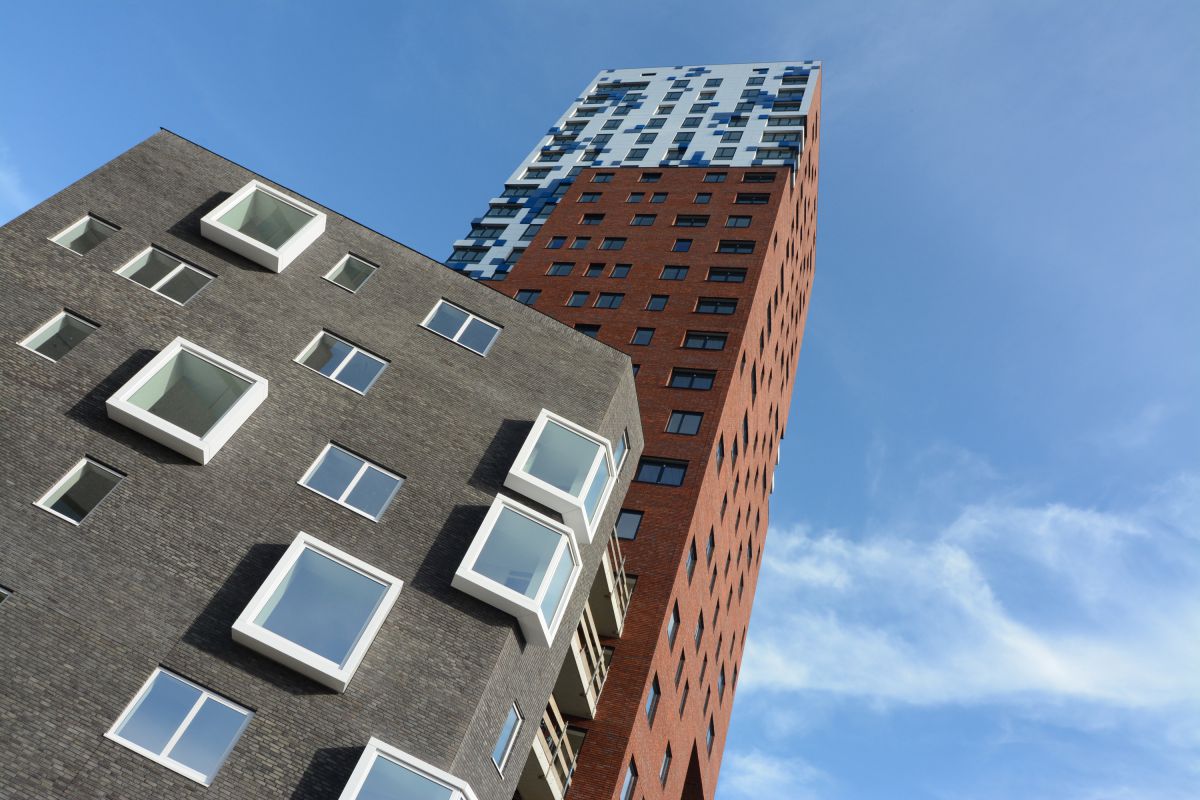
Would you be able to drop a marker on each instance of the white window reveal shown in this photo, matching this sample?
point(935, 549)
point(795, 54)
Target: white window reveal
point(342, 362)
point(352, 482)
point(264, 225)
point(164, 274)
point(566, 467)
point(384, 772)
point(189, 399)
point(507, 737)
point(523, 563)
point(76, 494)
point(318, 611)
point(84, 234)
point(181, 726)
point(351, 273)
point(463, 327)
point(59, 335)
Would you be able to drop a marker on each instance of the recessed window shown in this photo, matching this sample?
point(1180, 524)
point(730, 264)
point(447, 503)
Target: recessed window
point(643, 220)
point(342, 362)
point(711, 736)
point(577, 299)
point(714, 177)
point(646, 138)
point(166, 275)
point(581, 243)
point(692, 379)
point(629, 785)
point(628, 523)
point(691, 568)
point(508, 736)
point(527, 296)
point(661, 471)
point(620, 271)
point(352, 272)
point(699, 340)
point(692, 122)
point(673, 273)
point(560, 269)
point(673, 625)
point(593, 271)
point(621, 448)
point(691, 220)
point(602, 177)
point(351, 481)
point(591, 219)
point(77, 493)
point(57, 337)
point(652, 698)
point(384, 772)
point(735, 246)
point(592, 331)
point(462, 327)
point(84, 235)
point(188, 399)
point(698, 636)
point(609, 300)
point(523, 563)
point(556, 242)
point(716, 305)
point(642, 336)
point(726, 275)
point(181, 726)
point(635, 197)
point(264, 225)
point(681, 246)
point(657, 302)
point(650, 177)
point(664, 771)
point(738, 222)
point(703, 198)
point(767, 177)
point(724, 153)
point(589, 197)
point(656, 122)
point(318, 611)
point(612, 243)
point(685, 423)
point(658, 197)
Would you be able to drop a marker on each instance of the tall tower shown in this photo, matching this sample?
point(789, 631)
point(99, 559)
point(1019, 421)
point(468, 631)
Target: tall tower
point(671, 213)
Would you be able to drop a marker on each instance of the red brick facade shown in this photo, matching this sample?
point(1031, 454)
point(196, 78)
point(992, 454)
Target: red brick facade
point(744, 417)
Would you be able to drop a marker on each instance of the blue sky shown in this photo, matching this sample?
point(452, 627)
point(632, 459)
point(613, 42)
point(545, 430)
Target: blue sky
point(982, 577)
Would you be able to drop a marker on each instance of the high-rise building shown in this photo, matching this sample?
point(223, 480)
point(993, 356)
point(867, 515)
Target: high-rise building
point(670, 212)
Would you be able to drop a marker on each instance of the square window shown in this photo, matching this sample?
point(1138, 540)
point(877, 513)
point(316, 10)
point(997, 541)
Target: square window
point(84, 235)
point(76, 494)
point(685, 423)
point(351, 273)
point(342, 362)
point(318, 611)
point(59, 336)
point(166, 275)
point(628, 523)
point(462, 327)
point(384, 772)
point(183, 727)
point(351, 481)
point(642, 336)
point(524, 564)
point(657, 302)
point(188, 399)
point(508, 736)
point(264, 225)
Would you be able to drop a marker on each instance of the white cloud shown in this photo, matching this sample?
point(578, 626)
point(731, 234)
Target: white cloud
point(755, 774)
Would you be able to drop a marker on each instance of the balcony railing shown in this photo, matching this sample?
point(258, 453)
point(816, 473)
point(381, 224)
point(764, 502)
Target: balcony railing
point(610, 593)
point(551, 764)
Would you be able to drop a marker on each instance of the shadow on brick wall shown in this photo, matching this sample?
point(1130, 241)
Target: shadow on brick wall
point(498, 456)
point(327, 773)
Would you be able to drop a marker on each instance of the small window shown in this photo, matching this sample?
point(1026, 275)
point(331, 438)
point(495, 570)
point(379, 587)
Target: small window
point(577, 299)
point(351, 481)
point(602, 177)
point(611, 125)
point(711, 736)
point(629, 785)
point(755, 80)
point(714, 177)
point(589, 197)
point(673, 626)
point(690, 567)
point(731, 136)
point(591, 219)
point(612, 243)
point(643, 220)
point(683, 697)
point(664, 771)
point(384, 772)
point(351, 273)
point(657, 302)
point(692, 379)
point(691, 221)
point(700, 340)
point(703, 198)
point(738, 222)
point(735, 246)
point(628, 523)
point(698, 637)
point(710, 546)
point(588, 330)
point(726, 275)
point(84, 235)
point(635, 197)
point(673, 96)
point(673, 273)
point(264, 225)
point(661, 471)
point(527, 296)
point(593, 271)
point(462, 327)
point(650, 177)
point(636, 154)
point(508, 736)
point(59, 336)
point(692, 122)
point(656, 123)
point(764, 177)
point(620, 271)
point(581, 243)
point(76, 494)
point(621, 448)
point(724, 153)
point(681, 246)
point(556, 242)
point(647, 138)
point(685, 423)
point(609, 300)
point(166, 275)
point(642, 336)
point(658, 197)
point(721, 683)
point(342, 362)
point(560, 269)
point(716, 305)
point(652, 698)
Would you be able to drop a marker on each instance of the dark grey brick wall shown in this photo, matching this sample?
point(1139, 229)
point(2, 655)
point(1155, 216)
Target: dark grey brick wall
point(157, 574)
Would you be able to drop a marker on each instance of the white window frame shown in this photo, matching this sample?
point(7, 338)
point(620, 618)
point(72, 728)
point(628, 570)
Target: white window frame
point(164, 760)
point(198, 448)
point(341, 262)
point(275, 259)
point(78, 222)
point(42, 328)
point(571, 507)
point(354, 349)
point(377, 748)
point(181, 266)
point(463, 327)
point(526, 610)
point(512, 738)
point(76, 467)
point(279, 648)
point(353, 481)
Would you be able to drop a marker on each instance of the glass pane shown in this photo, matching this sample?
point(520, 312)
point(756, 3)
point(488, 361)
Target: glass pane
point(60, 337)
point(619, 450)
point(190, 392)
point(266, 218)
point(149, 268)
point(361, 372)
point(388, 780)
point(447, 319)
point(372, 492)
point(83, 491)
point(507, 731)
point(323, 606)
point(184, 286)
point(326, 355)
point(352, 274)
point(517, 552)
point(83, 237)
point(334, 473)
point(209, 738)
point(562, 458)
point(591, 503)
point(159, 713)
point(558, 585)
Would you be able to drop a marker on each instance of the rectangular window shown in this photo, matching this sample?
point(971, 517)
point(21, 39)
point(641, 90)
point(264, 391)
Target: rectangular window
point(726, 275)
point(683, 137)
point(166, 275)
point(737, 122)
point(591, 219)
point(508, 736)
point(647, 138)
point(503, 211)
point(178, 724)
point(342, 362)
point(530, 232)
point(593, 271)
point(656, 123)
point(577, 299)
point(692, 122)
point(661, 471)
point(643, 220)
point(664, 771)
point(657, 302)
point(681, 246)
point(602, 177)
point(462, 327)
point(629, 785)
point(556, 242)
point(628, 523)
point(589, 197)
point(699, 340)
point(702, 198)
point(527, 296)
point(611, 125)
point(673, 273)
point(731, 136)
point(713, 82)
point(755, 80)
point(84, 234)
point(752, 198)
point(723, 153)
point(673, 626)
point(76, 494)
point(711, 736)
point(784, 122)
point(642, 336)
point(735, 246)
point(716, 305)
point(609, 300)
point(690, 567)
point(620, 271)
point(581, 243)
point(635, 197)
point(612, 243)
point(650, 177)
point(652, 698)
point(636, 154)
point(714, 177)
point(588, 330)
point(658, 197)
point(691, 220)
point(59, 336)
point(698, 637)
point(537, 173)
point(560, 269)
point(673, 96)
point(683, 697)
point(738, 222)
point(701, 380)
point(758, 177)
point(351, 481)
point(468, 255)
point(685, 423)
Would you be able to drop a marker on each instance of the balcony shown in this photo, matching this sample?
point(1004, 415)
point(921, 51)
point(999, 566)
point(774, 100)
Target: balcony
point(583, 671)
point(609, 599)
point(551, 763)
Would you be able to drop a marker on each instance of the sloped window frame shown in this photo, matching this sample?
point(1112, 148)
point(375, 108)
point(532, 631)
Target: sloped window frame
point(276, 259)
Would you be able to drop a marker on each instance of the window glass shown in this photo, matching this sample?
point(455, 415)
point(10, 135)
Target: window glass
point(190, 392)
point(351, 481)
point(390, 780)
point(81, 490)
point(342, 362)
point(562, 458)
point(59, 336)
point(518, 553)
point(462, 327)
point(166, 275)
point(353, 272)
point(84, 235)
point(508, 733)
point(265, 218)
point(628, 523)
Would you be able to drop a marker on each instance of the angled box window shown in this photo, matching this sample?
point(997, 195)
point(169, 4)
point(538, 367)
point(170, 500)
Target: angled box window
point(183, 727)
point(342, 362)
point(188, 399)
point(351, 273)
point(164, 274)
point(84, 235)
point(384, 772)
point(352, 481)
point(76, 494)
point(567, 468)
point(462, 327)
point(59, 336)
point(318, 611)
point(264, 225)
point(524, 564)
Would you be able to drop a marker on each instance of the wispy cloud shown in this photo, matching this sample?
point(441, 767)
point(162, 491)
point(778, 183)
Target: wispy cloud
point(755, 774)
point(14, 198)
